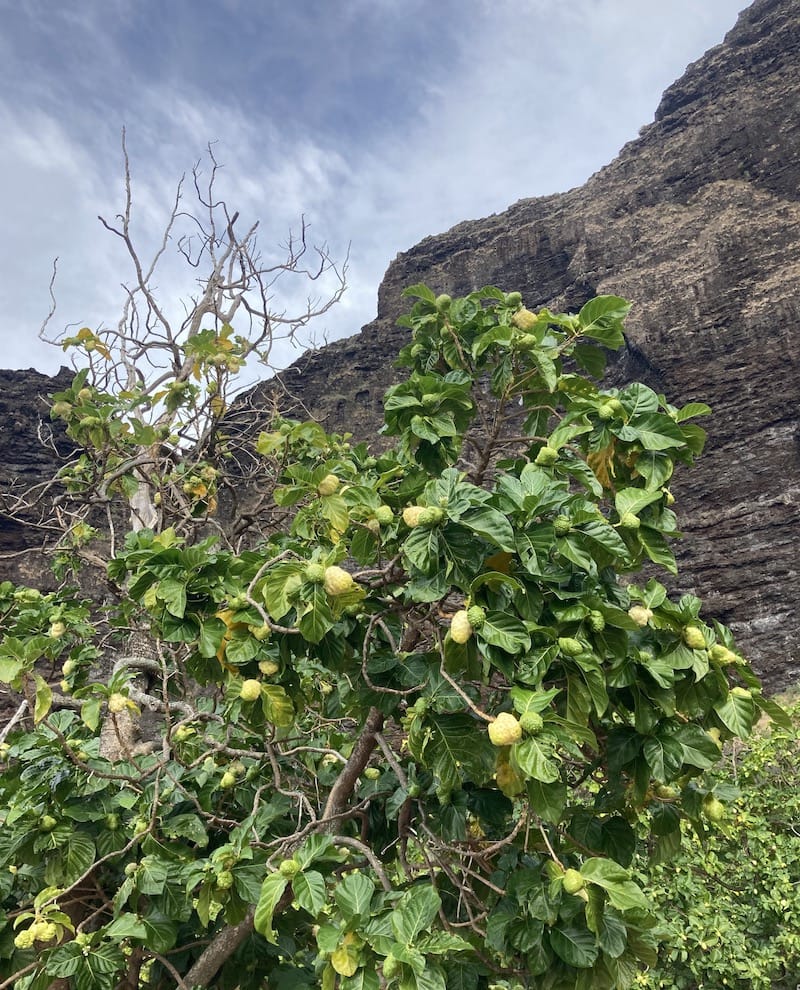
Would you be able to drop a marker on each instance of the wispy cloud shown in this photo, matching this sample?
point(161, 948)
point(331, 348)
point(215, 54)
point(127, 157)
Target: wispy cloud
point(380, 122)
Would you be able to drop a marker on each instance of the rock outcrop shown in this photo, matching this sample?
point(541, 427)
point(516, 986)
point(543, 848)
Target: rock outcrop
point(698, 222)
point(30, 454)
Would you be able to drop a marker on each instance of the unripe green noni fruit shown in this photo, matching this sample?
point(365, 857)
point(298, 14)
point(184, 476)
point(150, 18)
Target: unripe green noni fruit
point(524, 320)
point(47, 823)
point(315, 573)
point(572, 647)
point(372, 773)
point(431, 516)
point(268, 667)
point(513, 298)
point(505, 730)
point(605, 411)
point(460, 627)
point(391, 966)
point(476, 616)
point(250, 690)
point(443, 302)
point(562, 525)
point(225, 880)
point(629, 520)
point(532, 723)
point(694, 638)
point(384, 515)
point(289, 868)
point(597, 621)
point(337, 581)
point(546, 457)
point(329, 485)
point(713, 809)
point(741, 692)
point(227, 780)
point(640, 615)
point(572, 881)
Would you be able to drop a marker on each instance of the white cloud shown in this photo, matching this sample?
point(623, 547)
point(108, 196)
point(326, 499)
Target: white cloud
point(501, 101)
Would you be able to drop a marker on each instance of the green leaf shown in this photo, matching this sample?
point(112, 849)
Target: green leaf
point(737, 714)
point(315, 616)
point(547, 800)
point(490, 524)
point(699, 750)
point(534, 760)
point(654, 432)
point(422, 549)
point(634, 500)
point(309, 891)
point(90, 713)
point(664, 755)
point(272, 890)
point(576, 946)
point(76, 856)
point(353, 895)
point(127, 925)
point(454, 745)
point(505, 631)
point(277, 705)
point(420, 291)
point(623, 893)
point(612, 934)
point(414, 912)
point(692, 409)
point(10, 669)
point(362, 979)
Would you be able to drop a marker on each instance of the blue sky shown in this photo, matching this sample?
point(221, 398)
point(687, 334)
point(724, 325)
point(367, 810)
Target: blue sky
point(382, 121)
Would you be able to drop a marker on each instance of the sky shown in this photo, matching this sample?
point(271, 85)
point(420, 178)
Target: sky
point(379, 121)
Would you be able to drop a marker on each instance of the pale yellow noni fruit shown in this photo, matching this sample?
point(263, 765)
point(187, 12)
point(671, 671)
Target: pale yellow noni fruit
point(329, 485)
point(505, 730)
point(460, 627)
point(694, 638)
point(411, 515)
point(640, 615)
point(250, 690)
point(337, 581)
point(524, 319)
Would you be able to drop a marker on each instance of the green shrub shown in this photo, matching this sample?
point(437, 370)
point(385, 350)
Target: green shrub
point(730, 905)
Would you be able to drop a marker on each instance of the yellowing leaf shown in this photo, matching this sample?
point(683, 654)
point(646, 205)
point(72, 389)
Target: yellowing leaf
point(499, 562)
point(602, 463)
point(44, 699)
point(345, 960)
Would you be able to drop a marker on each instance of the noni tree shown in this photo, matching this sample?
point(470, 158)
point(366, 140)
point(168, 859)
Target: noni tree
point(355, 718)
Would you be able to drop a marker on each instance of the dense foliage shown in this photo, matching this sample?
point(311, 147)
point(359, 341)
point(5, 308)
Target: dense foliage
point(729, 907)
point(413, 732)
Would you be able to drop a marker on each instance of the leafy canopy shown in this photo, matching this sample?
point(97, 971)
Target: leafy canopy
point(410, 734)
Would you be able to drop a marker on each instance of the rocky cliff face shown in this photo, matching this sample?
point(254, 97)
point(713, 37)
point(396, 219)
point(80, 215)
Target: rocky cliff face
point(30, 453)
point(697, 222)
